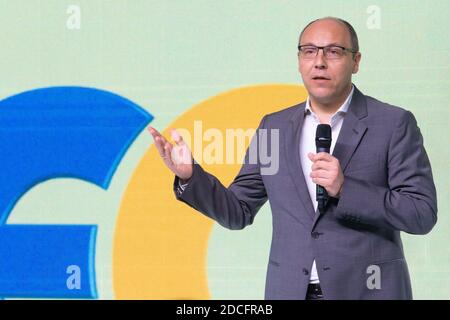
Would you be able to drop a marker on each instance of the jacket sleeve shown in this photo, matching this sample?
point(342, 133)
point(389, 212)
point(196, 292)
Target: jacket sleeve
point(409, 202)
point(234, 207)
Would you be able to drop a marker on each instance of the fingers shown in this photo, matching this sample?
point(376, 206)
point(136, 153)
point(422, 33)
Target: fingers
point(155, 134)
point(167, 157)
point(323, 160)
point(159, 139)
point(171, 154)
point(320, 156)
point(326, 172)
point(321, 177)
point(177, 137)
point(321, 181)
point(159, 146)
point(323, 165)
point(322, 174)
point(160, 142)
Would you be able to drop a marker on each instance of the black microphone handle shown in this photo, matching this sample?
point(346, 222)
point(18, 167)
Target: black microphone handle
point(320, 149)
point(321, 193)
point(320, 189)
point(321, 198)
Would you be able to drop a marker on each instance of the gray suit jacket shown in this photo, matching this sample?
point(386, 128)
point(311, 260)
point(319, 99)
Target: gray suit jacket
point(388, 188)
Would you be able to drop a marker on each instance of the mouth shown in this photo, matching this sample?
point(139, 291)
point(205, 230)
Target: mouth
point(320, 78)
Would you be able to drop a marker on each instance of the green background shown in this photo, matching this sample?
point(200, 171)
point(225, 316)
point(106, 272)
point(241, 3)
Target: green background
point(169, 55)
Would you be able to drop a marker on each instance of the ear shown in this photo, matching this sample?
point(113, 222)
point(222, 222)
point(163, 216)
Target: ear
point(356, 60)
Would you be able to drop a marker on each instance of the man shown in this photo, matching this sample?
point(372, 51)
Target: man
point(378, 178)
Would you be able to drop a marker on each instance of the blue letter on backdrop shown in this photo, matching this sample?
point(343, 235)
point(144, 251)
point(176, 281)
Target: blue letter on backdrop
point(60, 132)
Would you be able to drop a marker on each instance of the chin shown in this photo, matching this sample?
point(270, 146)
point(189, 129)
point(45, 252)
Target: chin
point(321, 96)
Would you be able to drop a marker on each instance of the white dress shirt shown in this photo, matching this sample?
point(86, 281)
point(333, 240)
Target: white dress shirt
point(308, 144)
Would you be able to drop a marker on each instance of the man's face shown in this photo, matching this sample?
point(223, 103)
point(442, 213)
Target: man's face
point(328, 81)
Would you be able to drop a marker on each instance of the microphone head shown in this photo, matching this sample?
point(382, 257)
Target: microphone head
point(323, 136)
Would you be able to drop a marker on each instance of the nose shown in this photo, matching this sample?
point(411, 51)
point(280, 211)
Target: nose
point(320, 61)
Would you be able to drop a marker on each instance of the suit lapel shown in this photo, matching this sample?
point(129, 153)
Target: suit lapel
point(292, 150)
point(352, 129)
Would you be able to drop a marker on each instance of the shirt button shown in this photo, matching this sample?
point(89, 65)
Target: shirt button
point(305, 271)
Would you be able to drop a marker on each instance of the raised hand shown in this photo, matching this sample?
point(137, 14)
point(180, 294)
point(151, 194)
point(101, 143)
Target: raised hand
point(178, 157)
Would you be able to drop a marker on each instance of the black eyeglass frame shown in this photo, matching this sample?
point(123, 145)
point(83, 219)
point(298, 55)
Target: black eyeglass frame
point(299, 47)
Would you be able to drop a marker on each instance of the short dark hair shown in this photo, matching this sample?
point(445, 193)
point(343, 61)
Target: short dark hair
point(351, 30)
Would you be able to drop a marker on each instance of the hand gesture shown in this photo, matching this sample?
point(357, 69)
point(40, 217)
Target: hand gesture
point(178, 157)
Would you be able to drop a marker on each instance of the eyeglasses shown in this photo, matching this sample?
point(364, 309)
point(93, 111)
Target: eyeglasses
point(331, 52)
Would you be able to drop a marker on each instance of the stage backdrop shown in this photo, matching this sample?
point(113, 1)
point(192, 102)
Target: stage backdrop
point(86, 206)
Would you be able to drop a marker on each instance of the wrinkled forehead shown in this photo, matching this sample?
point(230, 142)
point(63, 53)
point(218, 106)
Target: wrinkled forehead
point(325, 32)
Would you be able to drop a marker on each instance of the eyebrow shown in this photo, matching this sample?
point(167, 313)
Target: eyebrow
point(330, 44)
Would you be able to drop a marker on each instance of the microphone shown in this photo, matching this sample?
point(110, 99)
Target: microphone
point(323, 144)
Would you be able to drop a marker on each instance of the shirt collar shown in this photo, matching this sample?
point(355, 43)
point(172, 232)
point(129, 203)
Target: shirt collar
point(342, 109)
